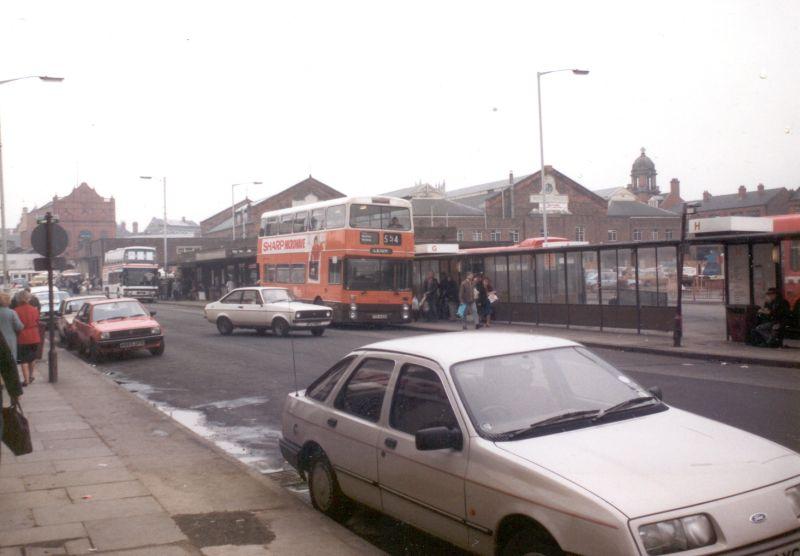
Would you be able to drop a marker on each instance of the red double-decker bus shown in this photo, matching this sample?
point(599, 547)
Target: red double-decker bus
point(352, 254)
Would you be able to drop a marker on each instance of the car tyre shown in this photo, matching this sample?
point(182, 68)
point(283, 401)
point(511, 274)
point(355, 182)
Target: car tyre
point(317, 331)
point(225, 326)
point(529, 542)
point(280, 327)
point(158, 351)
point(326, 496)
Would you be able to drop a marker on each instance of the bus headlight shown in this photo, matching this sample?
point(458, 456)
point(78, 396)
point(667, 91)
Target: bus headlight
point(406, 310)
point(105, 335)
point(676, 535)
point(353, 307)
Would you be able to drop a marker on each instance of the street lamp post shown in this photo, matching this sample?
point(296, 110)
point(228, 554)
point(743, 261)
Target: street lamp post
point(541, 139)
point(2, 188)
point(164, 228)
point(233, 208)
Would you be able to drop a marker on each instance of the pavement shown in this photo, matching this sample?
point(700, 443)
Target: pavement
point(703, 337)
point(111, 474)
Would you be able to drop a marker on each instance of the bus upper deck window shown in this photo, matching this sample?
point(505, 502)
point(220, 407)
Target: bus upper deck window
point(317, 221)
point(300, 222)
point(287, 223)
point(270, 226)
point(334, 217)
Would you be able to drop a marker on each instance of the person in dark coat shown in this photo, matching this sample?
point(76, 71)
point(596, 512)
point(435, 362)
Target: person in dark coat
point(772, 321)
point(9, 375)
point(431, 292)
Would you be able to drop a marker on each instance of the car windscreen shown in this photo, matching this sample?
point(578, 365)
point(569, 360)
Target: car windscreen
point(117, 310)
point(139, 277)
point(73, 306)
point(510, 392)
point(380, 217)
point(376, 274)
point(277, 295)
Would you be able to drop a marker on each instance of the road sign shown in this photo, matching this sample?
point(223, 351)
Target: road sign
point(40, 263)
point(59, 240)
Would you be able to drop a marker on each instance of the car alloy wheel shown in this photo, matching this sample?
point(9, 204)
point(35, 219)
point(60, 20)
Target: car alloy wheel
point(326, 496)
point(280, 327)
point(225, 326)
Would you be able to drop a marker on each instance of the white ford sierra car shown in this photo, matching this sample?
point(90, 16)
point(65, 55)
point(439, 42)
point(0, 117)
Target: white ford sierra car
point(265, 309)
point(519, 444)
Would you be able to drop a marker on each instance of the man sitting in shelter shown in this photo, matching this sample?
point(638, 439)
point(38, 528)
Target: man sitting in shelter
point(772, 320)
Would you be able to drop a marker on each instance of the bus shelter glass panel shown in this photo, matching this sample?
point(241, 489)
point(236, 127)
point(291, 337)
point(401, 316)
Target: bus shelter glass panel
point(550, 277)
point(514, 278)
point(527, 269)
point(763, 270)
point(490, 272)
point(738, 275)
point(626, 277)
point(590, 277)
point(608, 275)
point(668, 273)
point(649, 292)
point(575, 278)
point(790, 274)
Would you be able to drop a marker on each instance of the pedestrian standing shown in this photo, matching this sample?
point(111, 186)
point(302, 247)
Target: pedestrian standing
point(9, 376)
point(482, 299)
point(491, 297)
point(10, 325)
point(29, 338)
point(229, 285)
point(452, 297)
point(466, 297)
point(431, 289)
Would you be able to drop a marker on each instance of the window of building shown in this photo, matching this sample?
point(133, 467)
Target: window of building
point(637, 235)
point(654, 235)
point(420, 401)
point(494, 235)
point(477, 235)
point(321, 388)
point(334, 270)
point(460, 235)
point(513, 235)
point(667, 234)
point(363, 394)
point(612, 235)
point(580, 233)
point(186, 249)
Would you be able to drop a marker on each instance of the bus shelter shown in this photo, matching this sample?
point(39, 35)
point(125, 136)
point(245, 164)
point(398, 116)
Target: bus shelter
point(626, 285)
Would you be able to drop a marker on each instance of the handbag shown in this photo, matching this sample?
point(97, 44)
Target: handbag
point(492, 297)
point(462, 310)
point(16, 431)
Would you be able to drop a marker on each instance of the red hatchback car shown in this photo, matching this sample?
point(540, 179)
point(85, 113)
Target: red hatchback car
point(114, 326)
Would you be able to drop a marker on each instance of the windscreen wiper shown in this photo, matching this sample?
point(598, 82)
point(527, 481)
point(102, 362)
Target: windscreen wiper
point(624, 405)
point(561, 418)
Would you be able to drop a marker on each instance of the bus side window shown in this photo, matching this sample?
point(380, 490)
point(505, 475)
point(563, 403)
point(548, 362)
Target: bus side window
point(317, 221)
point(269, 273)
point(334, 271)
point(300, 222)
point(334, 217)
point(298, 275)
point(286, 223)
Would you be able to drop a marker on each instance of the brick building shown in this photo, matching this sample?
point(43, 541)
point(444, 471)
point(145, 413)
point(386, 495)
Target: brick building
point(84, 214)
point(248, 213)
point(758, 202)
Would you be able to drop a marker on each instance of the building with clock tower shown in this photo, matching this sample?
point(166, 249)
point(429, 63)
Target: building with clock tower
point(84, 214)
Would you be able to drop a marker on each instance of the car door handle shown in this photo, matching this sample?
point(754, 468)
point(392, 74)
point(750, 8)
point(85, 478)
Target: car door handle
point(390, 443)
point(332, 423)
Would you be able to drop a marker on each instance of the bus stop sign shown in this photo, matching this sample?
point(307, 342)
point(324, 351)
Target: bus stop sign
point(59, 240)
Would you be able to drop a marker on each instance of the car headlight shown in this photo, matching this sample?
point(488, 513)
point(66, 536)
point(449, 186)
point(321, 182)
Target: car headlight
point(676, 535)
point(297, 315)
point(155, 330)
point(794, 498)
point(105, 335)
point(327, 314)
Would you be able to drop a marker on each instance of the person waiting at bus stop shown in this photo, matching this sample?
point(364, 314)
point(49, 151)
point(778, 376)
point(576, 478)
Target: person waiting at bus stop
point(466, 298)
point(431, 296)
point(772, 320)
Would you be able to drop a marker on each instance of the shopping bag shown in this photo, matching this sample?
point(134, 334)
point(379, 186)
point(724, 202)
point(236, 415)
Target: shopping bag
point(462, 311)
point(16, 431)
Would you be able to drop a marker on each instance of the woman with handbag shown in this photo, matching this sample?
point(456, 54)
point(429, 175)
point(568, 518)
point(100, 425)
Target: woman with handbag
point(10, 378)
point(10, 325)
point(29, 338)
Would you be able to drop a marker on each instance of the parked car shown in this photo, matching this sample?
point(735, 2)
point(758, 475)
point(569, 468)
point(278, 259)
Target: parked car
point(66, 314)
point(114, 326)
point(265, 309)
point(511, 444)
point(44, 299)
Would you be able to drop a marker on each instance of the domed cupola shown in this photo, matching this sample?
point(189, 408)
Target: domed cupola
point(643, 175)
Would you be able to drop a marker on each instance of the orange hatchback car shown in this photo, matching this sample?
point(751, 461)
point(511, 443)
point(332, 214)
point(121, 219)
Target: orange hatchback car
point(114, 326)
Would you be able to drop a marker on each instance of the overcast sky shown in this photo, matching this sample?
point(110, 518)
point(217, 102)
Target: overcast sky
point(373, 96)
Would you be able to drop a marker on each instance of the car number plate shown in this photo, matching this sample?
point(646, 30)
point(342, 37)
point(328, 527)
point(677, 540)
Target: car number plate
point(788, 550)
point(135, 343)
point(380, 316)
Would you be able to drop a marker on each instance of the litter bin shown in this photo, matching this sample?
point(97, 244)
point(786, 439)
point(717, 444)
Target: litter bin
point(740, 319)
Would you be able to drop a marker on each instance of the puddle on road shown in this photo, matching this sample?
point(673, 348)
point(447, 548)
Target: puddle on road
point(256, 445)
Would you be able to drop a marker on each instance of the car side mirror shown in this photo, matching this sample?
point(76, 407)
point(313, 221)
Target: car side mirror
point(656, 391)
point(68, 312)
point(152, 313)
point(438, 438)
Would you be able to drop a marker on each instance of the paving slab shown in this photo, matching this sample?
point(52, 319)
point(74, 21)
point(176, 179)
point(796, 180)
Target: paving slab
point(162, 550)
point(62, 426)
point(107, 491)
point(11, 484)
point(62, 435)
point(134, 532)
point(8, 469)
point(234, 550)
point(44, 455)
point(71, 443)
point(94, 510)
point(74, 478)
point(32, 535)
point(34, 499)
point(16, 519)
point(79, 546)
point(87, 464)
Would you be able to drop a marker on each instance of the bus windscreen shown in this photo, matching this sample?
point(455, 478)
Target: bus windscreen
point(380, 217)
point(139, 277)
point(377, 274)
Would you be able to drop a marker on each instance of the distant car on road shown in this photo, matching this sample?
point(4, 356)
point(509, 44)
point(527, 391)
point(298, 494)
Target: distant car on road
point(115, 326)
point(265, 309)
point(47, 310)
point(518, 444)
point(66, 314)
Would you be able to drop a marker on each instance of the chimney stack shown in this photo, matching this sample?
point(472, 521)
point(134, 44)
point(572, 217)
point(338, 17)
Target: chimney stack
point(135, 227)
point(675, 187)
point(706, 196)
point(742, 192)
point(760, 188)
point(511, 178)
